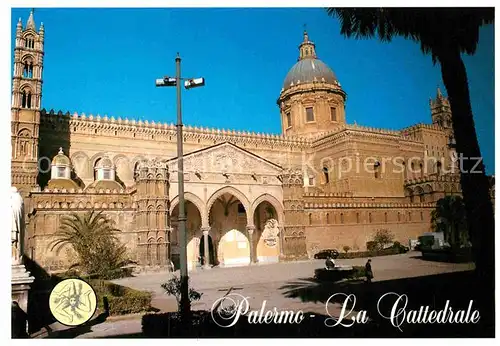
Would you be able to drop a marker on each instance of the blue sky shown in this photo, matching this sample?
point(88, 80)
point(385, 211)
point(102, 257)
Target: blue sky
point(106, 61)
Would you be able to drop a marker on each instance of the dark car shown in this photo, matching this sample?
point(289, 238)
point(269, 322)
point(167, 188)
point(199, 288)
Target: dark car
point(323, 254)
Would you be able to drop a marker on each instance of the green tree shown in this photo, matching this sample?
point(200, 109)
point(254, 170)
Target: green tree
point(445, 33)
point(93, 237)
point(449, 218)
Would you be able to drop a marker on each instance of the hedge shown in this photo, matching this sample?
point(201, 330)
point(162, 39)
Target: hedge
point(121, 300)
point(385, 252)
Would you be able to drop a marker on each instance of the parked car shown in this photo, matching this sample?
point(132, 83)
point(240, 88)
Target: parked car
point(323, 254)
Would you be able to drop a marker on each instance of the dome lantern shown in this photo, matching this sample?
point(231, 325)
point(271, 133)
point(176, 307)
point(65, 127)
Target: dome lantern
point(105, 170)
point(61, 166)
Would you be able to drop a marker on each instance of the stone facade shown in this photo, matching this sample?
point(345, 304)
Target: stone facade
point(322, 183)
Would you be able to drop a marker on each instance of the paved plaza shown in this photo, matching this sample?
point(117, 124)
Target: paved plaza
point(269, 282)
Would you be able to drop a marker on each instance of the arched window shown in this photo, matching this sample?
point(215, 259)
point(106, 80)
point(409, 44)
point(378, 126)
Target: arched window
point(310, 219)
point(438, 167)
point(385, 217)
point(327, 218)
point(23, 99)
point(399, 216)
point(357, 217)
point(327, 177)
point(409, 216)
point(421, 171)
point(421, 216)
point(370, 217)
point(341, 217)
point(376, 168)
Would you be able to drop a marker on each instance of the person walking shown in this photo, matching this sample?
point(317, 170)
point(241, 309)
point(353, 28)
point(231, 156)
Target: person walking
point(368, 271)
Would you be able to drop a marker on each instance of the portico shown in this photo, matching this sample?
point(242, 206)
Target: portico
point(233, 205)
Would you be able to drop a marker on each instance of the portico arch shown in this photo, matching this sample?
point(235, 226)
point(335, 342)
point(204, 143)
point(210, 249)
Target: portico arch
point(191, 197)
point(193, 232)
point(232, 191)
point(278, 207)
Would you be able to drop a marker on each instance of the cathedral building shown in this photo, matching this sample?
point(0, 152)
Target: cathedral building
point(250, 198)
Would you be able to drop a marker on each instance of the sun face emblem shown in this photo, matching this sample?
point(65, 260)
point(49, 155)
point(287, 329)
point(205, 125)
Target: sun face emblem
point(72, 302)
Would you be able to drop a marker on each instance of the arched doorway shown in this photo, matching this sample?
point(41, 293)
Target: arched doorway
point(228, 228)
point(193, 225)
point(212, 260)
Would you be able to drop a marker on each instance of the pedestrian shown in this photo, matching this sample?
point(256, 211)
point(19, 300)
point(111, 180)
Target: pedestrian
point(329, 263)
point(368, 271)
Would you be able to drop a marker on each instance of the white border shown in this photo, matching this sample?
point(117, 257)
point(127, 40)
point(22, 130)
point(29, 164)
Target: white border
point(5, 20)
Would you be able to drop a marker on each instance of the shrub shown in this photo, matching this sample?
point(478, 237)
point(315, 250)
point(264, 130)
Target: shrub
point(121, 300)
point(373, 253)
point(383, 237)
point(346, 248)
point(173, 287)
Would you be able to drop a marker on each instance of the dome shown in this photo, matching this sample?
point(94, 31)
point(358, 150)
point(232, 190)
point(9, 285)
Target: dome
point(60, 159)
point(107, 185)
point(307, 71)
point(62, 184)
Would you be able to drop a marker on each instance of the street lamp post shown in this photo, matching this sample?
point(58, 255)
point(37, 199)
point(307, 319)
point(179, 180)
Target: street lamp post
point(188, 84)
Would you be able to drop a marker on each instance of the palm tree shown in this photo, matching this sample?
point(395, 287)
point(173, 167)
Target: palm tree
point(445, 33)
point(93, 236)
point(449, 218)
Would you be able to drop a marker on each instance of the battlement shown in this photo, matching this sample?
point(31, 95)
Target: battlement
point(103, 124)
point(367, 205)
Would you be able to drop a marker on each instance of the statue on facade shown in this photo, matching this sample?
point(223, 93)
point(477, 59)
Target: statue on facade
point(18, 225)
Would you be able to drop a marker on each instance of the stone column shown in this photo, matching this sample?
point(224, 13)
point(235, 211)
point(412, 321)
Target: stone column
point(250, 229)
point(206, 248)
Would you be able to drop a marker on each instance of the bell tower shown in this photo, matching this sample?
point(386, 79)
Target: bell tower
point(441, 110)
point(26, 103)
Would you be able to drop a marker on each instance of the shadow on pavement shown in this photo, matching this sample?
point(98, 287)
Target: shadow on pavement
point(433, 291)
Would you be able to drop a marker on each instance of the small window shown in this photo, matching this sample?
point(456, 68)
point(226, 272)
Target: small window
point(106, 174)
point(421, 216)
point(370, 217)
point(385, 217)
point(311, 181)
point(341, 217)
point(61, 172)
point(288, 119)
point(399, 216)
point(357, 217)
point(310, 219)
point(409, 216)
point(327, 177)
point(327, 218)
point(309, 114)
point(333, 114)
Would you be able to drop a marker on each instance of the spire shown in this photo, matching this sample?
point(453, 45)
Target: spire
point(31, 21)
point(307, 48)
point(439, 95)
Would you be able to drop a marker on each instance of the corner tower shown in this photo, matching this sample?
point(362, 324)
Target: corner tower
point(312, 100)
point(26, 102)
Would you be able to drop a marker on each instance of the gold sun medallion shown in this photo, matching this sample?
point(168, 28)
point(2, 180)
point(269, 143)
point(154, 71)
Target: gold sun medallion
point(72, 302)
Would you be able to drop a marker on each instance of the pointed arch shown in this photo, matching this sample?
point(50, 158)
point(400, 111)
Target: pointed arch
point(236, 193)
point(271, 200)
point(200, 205)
